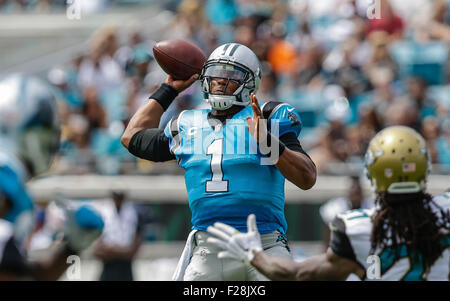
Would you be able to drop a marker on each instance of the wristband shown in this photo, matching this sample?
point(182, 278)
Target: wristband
point(164, 95)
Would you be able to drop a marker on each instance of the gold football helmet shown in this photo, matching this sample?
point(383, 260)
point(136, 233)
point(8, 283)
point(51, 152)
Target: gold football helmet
point(397, 161)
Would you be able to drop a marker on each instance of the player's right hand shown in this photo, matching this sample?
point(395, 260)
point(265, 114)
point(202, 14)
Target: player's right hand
point(179, 84)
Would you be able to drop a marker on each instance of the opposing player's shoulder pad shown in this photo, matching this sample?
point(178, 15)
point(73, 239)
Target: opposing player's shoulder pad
point(284, 115)
point(357, 221)
point(441, 203)
point(443, 200)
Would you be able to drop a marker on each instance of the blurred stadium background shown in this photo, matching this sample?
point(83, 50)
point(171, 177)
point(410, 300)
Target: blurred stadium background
point(348, 75)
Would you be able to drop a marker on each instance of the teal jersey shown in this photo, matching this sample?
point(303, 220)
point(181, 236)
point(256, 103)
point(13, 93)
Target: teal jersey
point(227, 175)
point(351, 238)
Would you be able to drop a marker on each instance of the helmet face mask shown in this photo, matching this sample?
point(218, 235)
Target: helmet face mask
point(232, 62)
point(232, 75)
point(226, 71)
point(397, 161)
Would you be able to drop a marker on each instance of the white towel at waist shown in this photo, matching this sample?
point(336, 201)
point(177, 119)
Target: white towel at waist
point(185, 258)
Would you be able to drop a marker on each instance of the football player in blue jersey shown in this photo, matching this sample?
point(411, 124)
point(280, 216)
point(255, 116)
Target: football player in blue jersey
point(29, 137)
point(405, 237)
point(236, 157)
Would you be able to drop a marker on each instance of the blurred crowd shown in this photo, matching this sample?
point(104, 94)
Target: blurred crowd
point(55, 5)
point(350, 67)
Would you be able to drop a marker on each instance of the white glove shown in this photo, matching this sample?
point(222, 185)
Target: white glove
point(236, 245)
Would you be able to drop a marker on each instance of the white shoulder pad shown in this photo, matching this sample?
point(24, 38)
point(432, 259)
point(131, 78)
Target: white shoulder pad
point(357, 221)
point(443, 200)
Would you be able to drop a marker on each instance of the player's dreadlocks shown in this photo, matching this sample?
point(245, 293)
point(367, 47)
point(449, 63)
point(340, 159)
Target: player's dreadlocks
point(409, 219)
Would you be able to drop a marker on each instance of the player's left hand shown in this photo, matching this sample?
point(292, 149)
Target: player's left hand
point(236, 245)
point(257, 126)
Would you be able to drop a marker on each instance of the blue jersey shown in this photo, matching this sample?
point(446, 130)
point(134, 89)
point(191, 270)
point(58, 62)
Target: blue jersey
point(227, 176)
point(12, 186)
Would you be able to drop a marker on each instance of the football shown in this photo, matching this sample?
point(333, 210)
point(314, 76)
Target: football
point(179, 58)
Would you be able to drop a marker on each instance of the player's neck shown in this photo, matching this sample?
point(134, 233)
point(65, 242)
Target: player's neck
point(226, 113)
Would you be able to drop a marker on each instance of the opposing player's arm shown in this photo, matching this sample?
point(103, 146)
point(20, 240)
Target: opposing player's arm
point(247, 248)
point(149, 115)
point(336, 264)
point(293, 162)
point(328, 266)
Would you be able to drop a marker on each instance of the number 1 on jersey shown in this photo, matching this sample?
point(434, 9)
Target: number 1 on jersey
point(216, 184)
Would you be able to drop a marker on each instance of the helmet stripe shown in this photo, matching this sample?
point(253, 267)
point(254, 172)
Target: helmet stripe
point(225, 48)
point(233, 50)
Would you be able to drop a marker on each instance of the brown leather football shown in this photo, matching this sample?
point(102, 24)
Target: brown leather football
point(179, 58)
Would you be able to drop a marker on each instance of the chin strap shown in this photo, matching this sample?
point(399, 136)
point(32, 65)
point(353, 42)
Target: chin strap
point(224, 102)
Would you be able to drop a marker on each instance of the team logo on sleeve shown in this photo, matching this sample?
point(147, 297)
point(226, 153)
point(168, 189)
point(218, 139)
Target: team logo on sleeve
point(293, 118)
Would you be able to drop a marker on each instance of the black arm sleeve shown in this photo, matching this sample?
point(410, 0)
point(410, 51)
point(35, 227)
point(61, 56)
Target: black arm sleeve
point(291, 142)
point(152, 145)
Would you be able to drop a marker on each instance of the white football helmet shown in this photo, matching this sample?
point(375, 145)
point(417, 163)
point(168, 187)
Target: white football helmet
point(235, 62)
